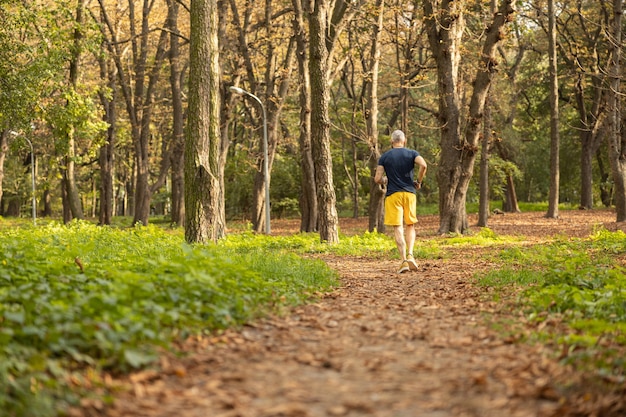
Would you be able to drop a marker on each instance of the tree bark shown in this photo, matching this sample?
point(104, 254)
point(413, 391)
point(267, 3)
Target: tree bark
point(72, 198)
point(320, 123)
point(308, 198)
point(4, 147)
point(617, 138)
point(107, 151)
point(203, 128)
point(553, 198)
point(178, 119)
point(377, 195)
point(445, 29)
point(483, 202)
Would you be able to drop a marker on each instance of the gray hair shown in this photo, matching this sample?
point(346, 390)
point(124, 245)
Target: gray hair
point(397, 136)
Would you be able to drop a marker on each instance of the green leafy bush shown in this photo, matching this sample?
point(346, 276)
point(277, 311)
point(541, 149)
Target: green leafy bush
point(81, 295)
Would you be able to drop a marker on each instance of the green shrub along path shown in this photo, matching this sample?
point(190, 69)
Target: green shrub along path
point(525, 318)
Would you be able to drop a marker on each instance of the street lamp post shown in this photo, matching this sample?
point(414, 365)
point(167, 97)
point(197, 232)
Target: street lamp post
point(32, 172)
point(241, 91)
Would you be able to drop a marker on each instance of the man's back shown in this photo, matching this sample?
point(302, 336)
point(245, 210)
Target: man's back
point(399, 164)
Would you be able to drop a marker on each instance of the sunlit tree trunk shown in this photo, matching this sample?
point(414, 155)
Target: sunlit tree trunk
point(617, 137)
point(178, 136)
point(445, 27)
point(308, 198)
point(72, 204)
point(320, 123)
point(4, 147)
point(483, 201)
point(203, 126)
point(107, 151)
point(225, 120)
point(553, 199)
point(377, 194)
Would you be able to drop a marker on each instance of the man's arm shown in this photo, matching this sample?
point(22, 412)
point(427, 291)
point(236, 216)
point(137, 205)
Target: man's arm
point(379, 177)
point(422, 168)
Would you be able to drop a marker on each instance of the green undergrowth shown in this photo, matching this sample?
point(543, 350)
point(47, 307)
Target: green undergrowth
point(574, 293)
point(80, 297)
point(368, 244)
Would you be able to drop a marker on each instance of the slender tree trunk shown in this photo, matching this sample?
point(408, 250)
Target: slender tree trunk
point(178, 136)
point(617, 139)
point(203, 129)
point(320, 123)
point(512, 205)
point(4, 147)
point(606, 190)
point(355, 186)
point(72, 199)
point(553, 199)
point(591, 118)
point(586, 172)
point(308, 199)
point(107, 151)
point(225, 120)
point(377, 193)
point(483, 204)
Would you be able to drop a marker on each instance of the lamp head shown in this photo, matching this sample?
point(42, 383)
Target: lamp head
point(236, 90)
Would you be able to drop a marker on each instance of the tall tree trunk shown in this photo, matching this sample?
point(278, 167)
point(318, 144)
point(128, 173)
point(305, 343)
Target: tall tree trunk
point(377, 194)
point(553, 199)
point(308, 199)
point(225, 120)
point(178, 136)
point(444, 33)
point(203, 126)
point(483, 201)
point(72, 200)
point(617, 137)
point(445, 29)
point(107, 151)
point(320, 123)
point(4, 147)
point(606, 188)
point(591, 119)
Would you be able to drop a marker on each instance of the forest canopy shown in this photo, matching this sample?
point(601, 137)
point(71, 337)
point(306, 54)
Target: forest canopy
point(101, 89)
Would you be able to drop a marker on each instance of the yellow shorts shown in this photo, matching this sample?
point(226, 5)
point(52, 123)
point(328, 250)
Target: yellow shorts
point(398, 206)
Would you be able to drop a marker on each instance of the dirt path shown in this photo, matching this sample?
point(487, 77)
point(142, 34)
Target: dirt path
point(382, 345)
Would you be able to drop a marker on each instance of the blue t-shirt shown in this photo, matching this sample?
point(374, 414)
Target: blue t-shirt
point(399, 164)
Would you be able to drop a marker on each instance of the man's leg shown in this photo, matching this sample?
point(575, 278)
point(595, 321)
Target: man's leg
point(409, 232)
point(398, 232)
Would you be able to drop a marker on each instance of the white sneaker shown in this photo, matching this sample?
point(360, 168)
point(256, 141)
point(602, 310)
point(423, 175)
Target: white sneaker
point(412, 264)
point(404, 267)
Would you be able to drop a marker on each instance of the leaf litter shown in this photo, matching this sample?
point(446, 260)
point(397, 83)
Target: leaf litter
point(382, 344)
